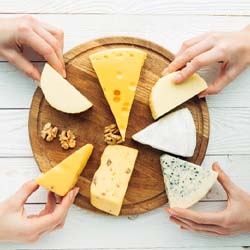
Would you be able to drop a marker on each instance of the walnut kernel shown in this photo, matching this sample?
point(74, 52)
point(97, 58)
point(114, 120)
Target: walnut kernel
point(112, 135)
point(67, 139)
point(48, 132)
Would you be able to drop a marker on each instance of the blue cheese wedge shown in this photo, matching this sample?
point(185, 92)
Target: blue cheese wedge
point(186, 183)
point(174, 133)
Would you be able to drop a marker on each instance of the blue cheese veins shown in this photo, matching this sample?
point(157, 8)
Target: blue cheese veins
point(186, 183)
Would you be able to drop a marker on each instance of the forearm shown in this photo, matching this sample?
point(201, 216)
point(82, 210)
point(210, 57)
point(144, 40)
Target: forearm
point(246, 30)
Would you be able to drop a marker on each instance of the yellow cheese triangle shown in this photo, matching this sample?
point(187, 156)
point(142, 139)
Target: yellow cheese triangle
point(118, 71)
point(63, 177)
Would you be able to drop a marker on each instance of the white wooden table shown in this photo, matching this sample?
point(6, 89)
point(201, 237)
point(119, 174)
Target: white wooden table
point(167, 23)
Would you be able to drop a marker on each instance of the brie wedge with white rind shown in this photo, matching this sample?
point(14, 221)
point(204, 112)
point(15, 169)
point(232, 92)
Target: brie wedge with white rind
point(174, 133)
point(185, 182)
point(60, 94)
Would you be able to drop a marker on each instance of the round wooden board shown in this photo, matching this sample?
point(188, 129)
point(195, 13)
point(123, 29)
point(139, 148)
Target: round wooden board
point(146, 188)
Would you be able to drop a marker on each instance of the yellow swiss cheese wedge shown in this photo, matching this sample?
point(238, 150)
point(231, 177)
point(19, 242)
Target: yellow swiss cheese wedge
point(63, 177)
point(166, 94)
point(118, 71)
point(60, 94)
point(110, 181)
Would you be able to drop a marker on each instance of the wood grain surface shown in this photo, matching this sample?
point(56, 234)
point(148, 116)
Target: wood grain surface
point(146, 188)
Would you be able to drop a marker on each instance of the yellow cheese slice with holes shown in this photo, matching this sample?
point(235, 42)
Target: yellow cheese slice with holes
point(63, 177)
point(118, 71)
point(110, 181)
point(166, 94)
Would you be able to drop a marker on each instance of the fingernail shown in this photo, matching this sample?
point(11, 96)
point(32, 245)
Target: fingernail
point(165, 71)
point(71, 195)
point(168, 210)
point(64, 73)
point(76, 191)
point(177, 78)
point(201, 96)
point(36, 76)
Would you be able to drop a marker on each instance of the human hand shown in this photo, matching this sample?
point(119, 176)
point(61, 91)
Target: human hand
point(235, 218)
point(16, 225)
point(231, 49)
point(46, 40)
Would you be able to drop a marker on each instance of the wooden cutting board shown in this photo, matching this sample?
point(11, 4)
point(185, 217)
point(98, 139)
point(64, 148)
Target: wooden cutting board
point(146, 188)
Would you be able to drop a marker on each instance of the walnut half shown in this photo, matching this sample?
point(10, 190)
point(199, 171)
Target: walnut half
point(67, 139)
point(48, 132)
point(112, 135)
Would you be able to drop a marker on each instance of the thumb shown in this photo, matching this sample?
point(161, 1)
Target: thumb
point(224, 180)
point(21, 196)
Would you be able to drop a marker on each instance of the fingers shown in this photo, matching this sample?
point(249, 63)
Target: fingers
point(226, 76)
point(50, 221)
point(20, 197)
point(188, 43)
point(188, 55)
point(198, 62)
point(225, 181)
point(185, 46)
point(212, 218)
point(42, 47)
point(21, 63)
point(192, 226)
point(50, 206)
point(56, 33)
point(53, 42)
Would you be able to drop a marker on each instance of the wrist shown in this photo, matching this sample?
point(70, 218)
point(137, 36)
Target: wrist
point(246, 31)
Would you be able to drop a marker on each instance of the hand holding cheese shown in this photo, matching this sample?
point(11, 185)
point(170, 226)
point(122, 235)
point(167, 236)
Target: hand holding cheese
point(118, 71)
point(166, 94)
point(231, 49)
point(234, 219)
point(19, 31)
point(17, 226)
point(61, 178)
point(110, 181)
point(186, 183)
point(60, 94)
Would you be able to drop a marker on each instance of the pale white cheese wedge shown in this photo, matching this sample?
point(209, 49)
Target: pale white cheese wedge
point(60, 94)
point(186, 183)
point(174, 133)
point(166, 94)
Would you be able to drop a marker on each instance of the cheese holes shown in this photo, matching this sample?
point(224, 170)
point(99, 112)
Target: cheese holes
point(116, 99)
point(119, 75)
point(126, 104)
point(119, 54)
point(125, 109)
point(117, 92)
point(132, 86)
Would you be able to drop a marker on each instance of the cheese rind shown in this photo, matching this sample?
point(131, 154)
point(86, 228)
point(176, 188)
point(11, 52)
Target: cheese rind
point(110, 182)
point(174, 133)
point(166, 94)
point(186, 183)
point(63, 177)
point(118, 71)
point(60, 94)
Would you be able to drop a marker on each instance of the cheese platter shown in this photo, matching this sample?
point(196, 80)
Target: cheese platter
point(146, 189)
